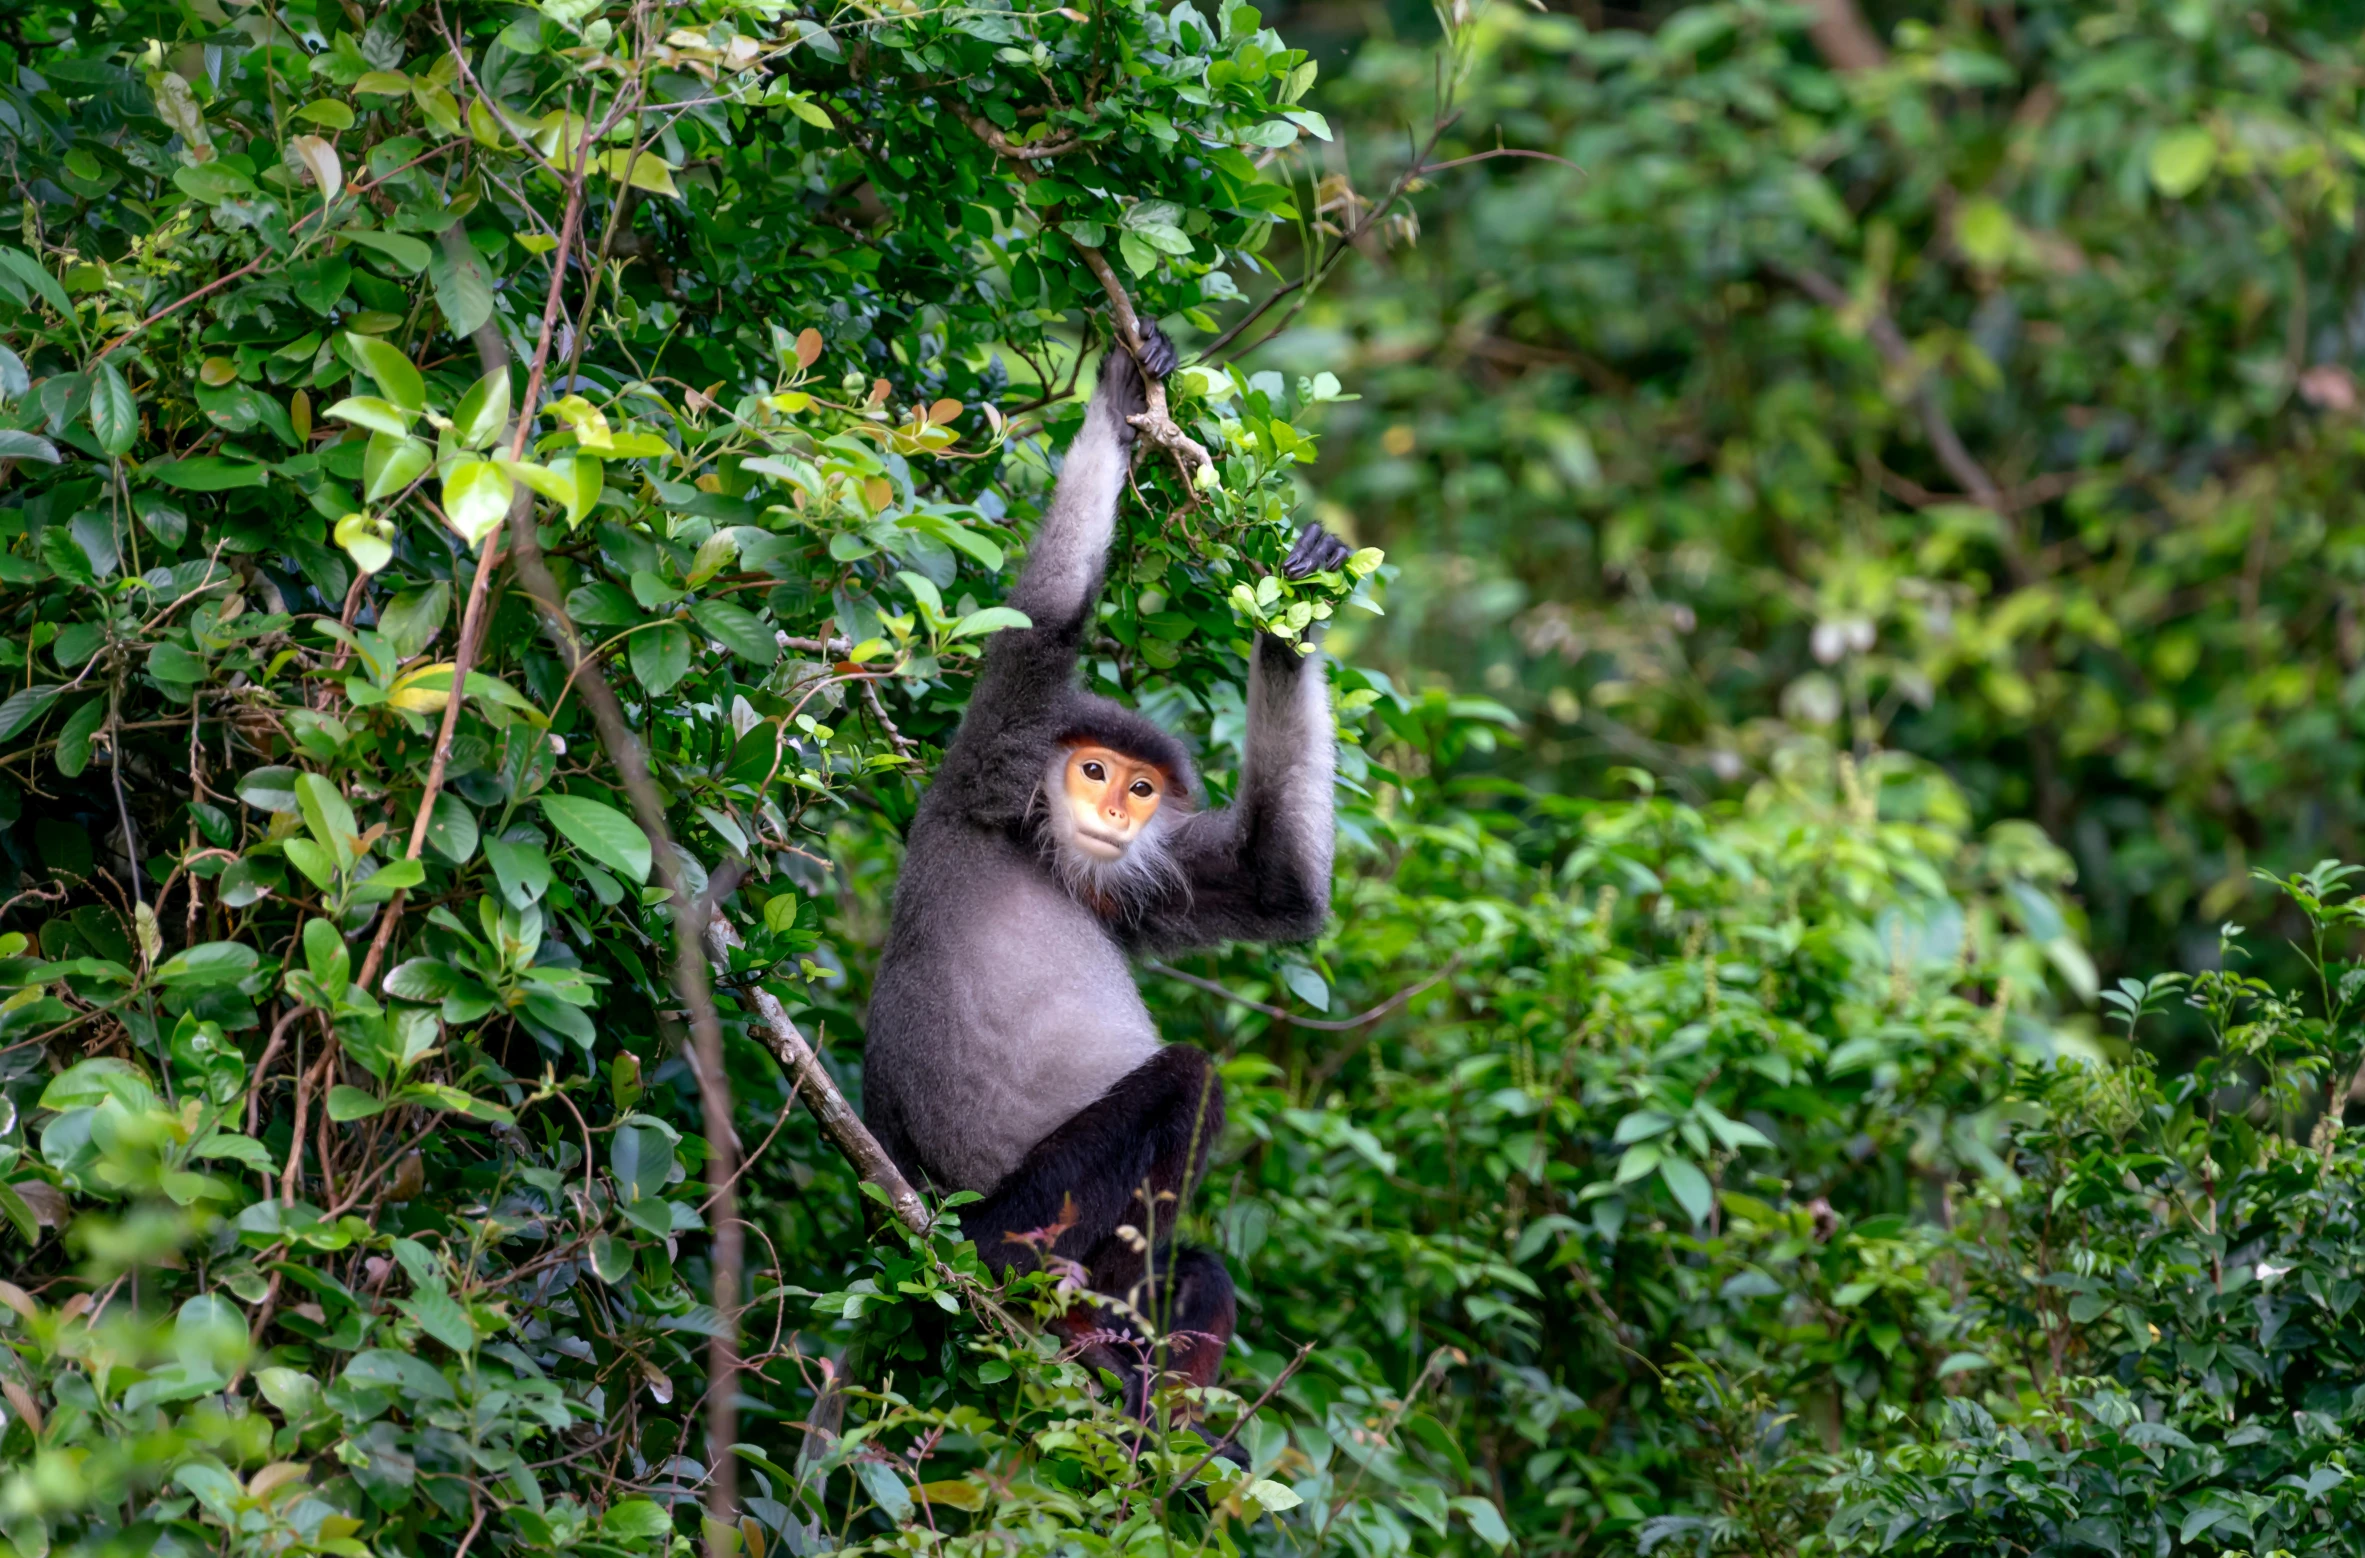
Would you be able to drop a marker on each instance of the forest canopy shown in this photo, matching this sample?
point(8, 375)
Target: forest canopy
point(500, 509)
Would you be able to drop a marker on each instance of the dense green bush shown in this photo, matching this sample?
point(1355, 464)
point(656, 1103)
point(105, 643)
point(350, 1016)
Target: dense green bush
point(2166, 1282)
point(1661, 438)
point(1634, 1172)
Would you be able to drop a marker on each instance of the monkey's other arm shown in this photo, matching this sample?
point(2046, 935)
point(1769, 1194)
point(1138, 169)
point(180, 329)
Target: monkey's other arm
point(1259, 870)
point(992, 763)
point(1064, 566)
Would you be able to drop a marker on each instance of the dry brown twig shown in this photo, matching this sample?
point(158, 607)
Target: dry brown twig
point(1155, 421)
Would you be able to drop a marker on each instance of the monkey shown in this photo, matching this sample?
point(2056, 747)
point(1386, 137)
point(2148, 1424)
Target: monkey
point(1009, 1052)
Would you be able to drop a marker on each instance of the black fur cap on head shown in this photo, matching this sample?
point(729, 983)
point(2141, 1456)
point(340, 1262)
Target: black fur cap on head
point(1088, 719)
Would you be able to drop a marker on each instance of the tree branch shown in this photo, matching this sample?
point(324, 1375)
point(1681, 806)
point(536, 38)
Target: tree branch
point(625, 754)
point(1897, 353)
point(837, 1117)
point(1843, 38)
point(1155, 421)
point(1157, 424)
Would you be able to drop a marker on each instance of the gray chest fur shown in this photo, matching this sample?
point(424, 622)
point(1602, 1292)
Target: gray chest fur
point(1003, 1007)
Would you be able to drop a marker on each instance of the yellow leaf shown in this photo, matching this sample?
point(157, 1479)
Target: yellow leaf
point(879, 492)
point(590, 424)
point(954, 1495)
point(811, 112)
point(536, 243)
point(215, 372)
point(646, 170)
point(437, 106)
point(299, 416)
point(944, 411)
point(320, 160)
point(277, 1474)
point(407, 694)
point(383, 83)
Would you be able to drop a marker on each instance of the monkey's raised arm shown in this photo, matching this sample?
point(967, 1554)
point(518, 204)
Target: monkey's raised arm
point(994, 763)
point(1259, 870)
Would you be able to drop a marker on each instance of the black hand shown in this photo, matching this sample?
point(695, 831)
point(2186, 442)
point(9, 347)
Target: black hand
point(1158, 354)
point(1317, 551)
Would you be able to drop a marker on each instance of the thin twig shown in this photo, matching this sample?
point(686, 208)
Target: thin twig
point(1326, 1024)
point(1272, 1390)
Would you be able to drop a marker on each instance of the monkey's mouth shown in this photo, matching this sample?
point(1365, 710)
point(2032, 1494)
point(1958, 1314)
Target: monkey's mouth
point(1100, 846)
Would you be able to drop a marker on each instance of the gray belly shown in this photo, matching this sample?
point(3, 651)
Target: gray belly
point(1036, 1015)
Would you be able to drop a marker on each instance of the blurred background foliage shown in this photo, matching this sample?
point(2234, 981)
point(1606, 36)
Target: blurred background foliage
point(1866, 584)
point(1975, 380)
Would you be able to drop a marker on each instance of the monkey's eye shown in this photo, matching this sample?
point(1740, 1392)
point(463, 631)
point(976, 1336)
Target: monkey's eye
point(1094, 771)
point(1144, 789)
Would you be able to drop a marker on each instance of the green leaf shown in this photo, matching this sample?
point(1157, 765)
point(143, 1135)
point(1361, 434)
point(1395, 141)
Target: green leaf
point(17, 445)
point(1486, 1521)
point(738, 630)
point(209, 473)
point(318, 865)
point(381, 416)
point(73, 737)
point(351, 1103)
point(635, 1520)
point(483, 411)
point(991, 620)
point(29, 270)
point(114, 415)
point(441, 1316)
point(270, 788)
point(640, 1155)
point(208, 966)
point(406, 252)
point(397, 379)
point(325, 958)
point(476, 498)
point(2182, 160)
point(1689, 1185)
point(660, 657)
point(329, 817)
point(451, 828)
point(410, 621)
point(392, 462)
point(602, 832)
point(25, 706)
point(465, 294)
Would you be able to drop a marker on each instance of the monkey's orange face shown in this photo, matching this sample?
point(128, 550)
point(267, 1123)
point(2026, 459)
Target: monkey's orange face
point(1111, 798)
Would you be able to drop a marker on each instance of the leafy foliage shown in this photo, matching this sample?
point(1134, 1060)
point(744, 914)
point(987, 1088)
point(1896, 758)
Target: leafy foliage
point(1626, 1170)
point(1663, 437)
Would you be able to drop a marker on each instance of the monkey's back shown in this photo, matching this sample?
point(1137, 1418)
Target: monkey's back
point(1002, 1007)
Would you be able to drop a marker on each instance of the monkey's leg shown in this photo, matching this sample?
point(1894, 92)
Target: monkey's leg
point(1126, 1162)
point(1187, 1295)
point(1153, 1128)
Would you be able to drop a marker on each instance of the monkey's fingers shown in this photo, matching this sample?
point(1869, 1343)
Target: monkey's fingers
point(1317, 551)
point(1158, 354)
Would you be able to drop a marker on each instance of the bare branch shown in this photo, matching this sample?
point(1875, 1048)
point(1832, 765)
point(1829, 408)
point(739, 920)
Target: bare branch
point(820, 1092)
point(1842, 37)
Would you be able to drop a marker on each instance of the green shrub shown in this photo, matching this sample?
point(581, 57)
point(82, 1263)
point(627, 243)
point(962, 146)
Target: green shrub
point(2162, 1293)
